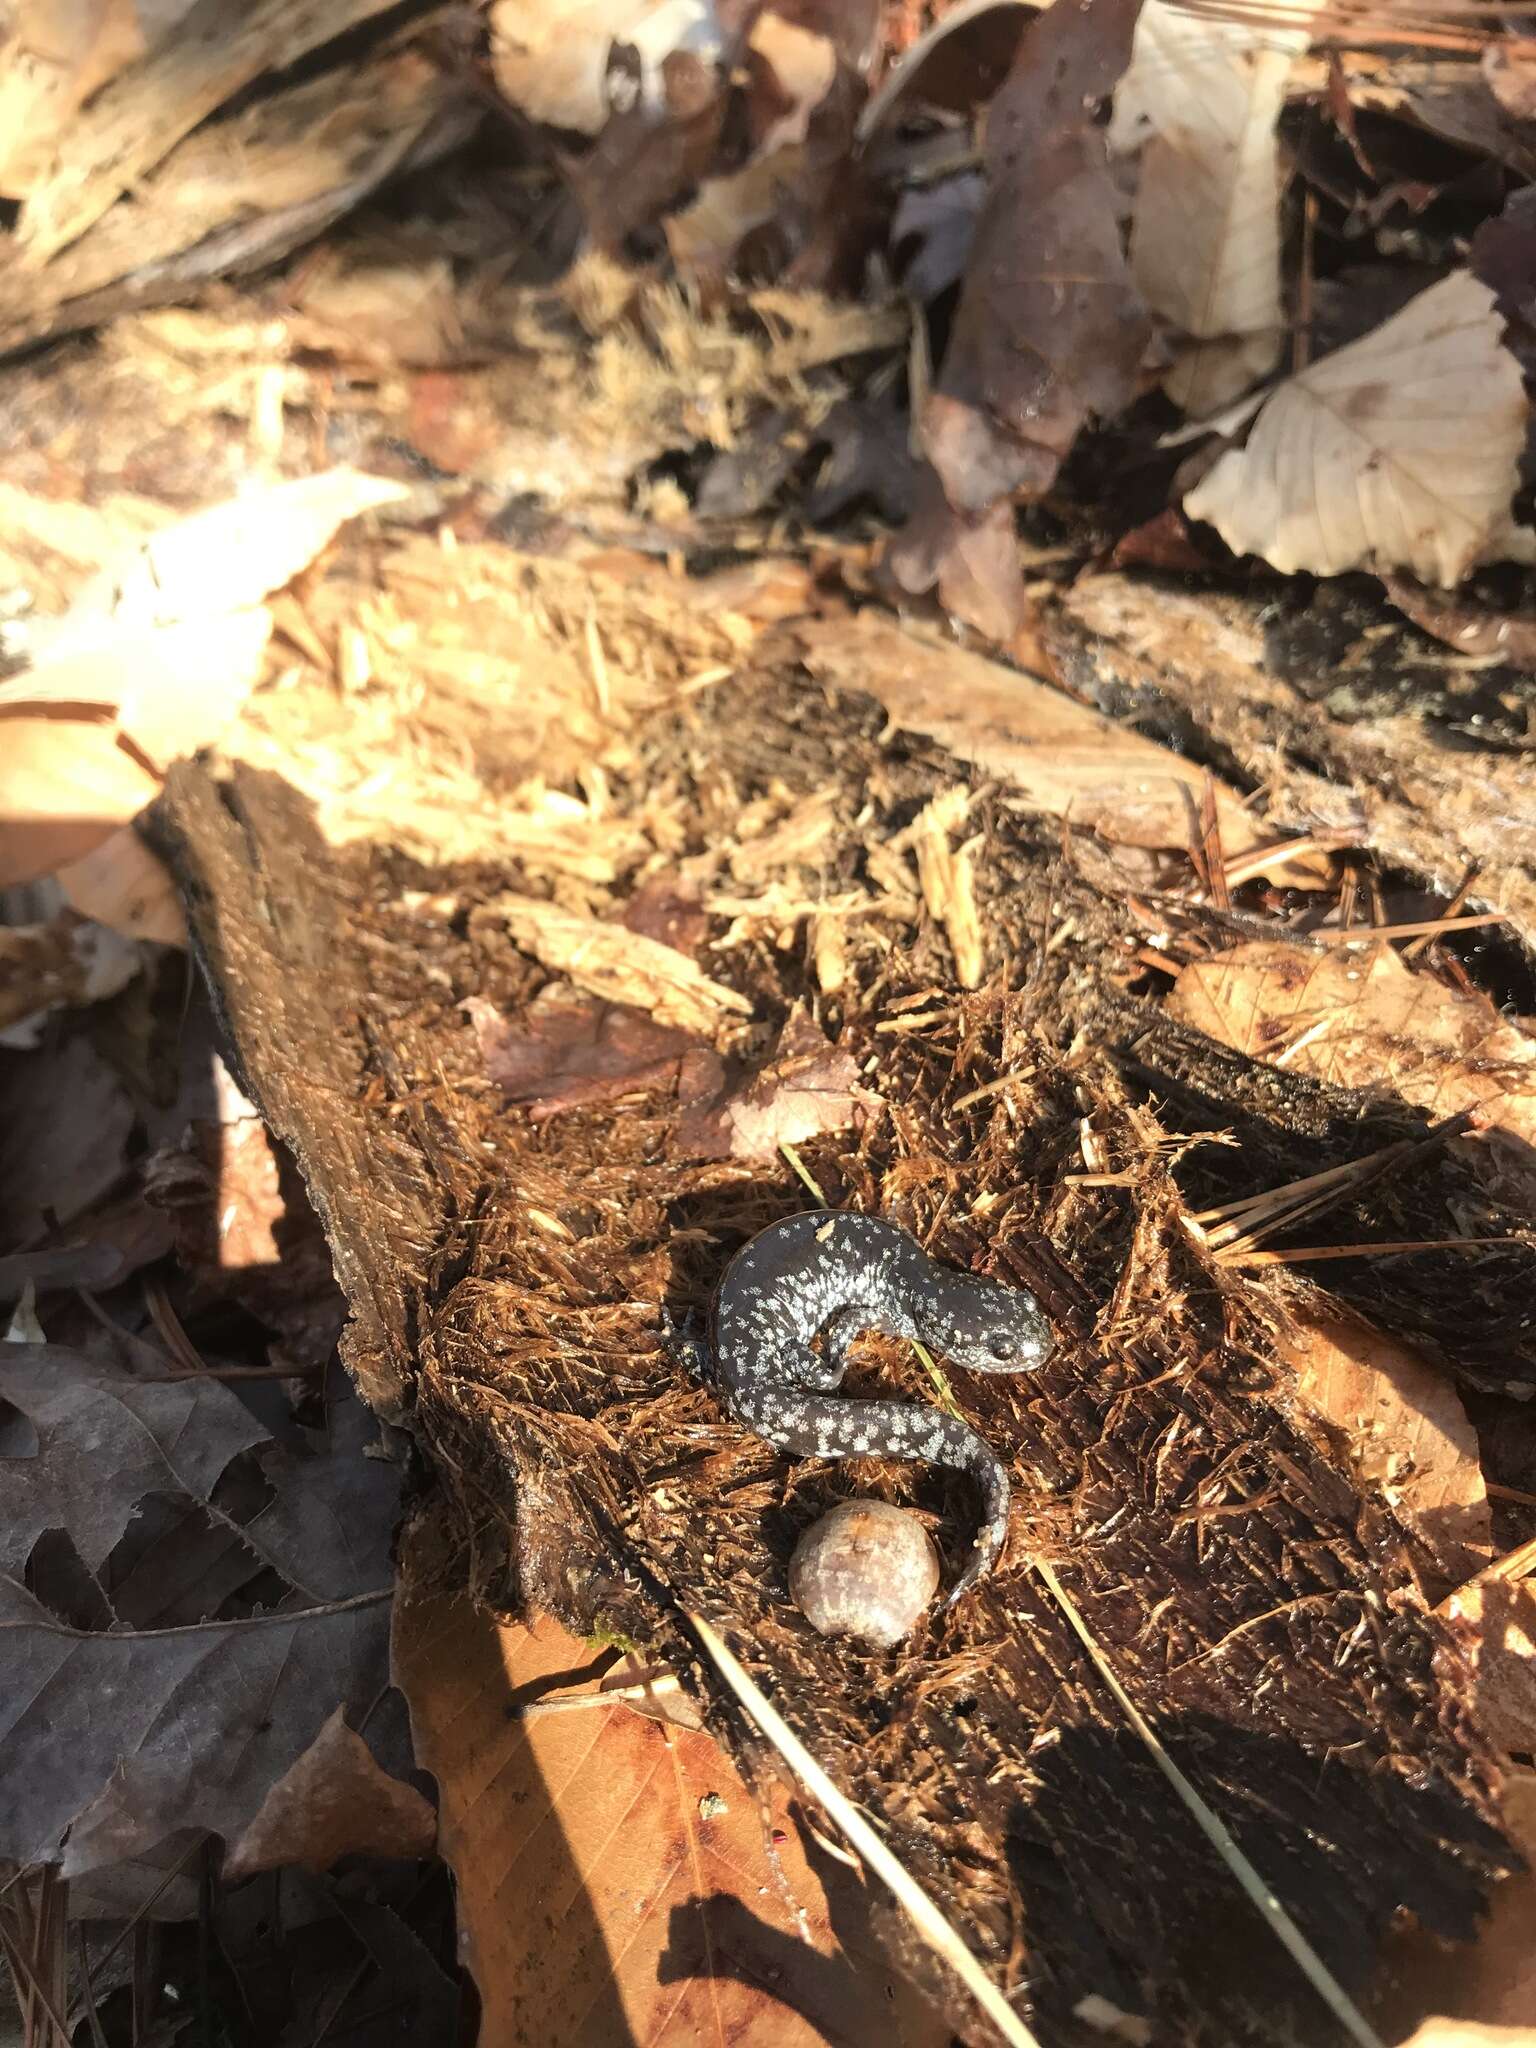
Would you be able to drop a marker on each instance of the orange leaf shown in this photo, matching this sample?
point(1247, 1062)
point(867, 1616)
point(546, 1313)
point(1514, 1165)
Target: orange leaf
point(614, 1880)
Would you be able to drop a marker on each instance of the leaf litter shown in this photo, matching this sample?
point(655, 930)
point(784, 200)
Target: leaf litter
point(481, 716)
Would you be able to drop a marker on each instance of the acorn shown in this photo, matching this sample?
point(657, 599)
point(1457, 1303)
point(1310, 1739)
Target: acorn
point(865, 1570)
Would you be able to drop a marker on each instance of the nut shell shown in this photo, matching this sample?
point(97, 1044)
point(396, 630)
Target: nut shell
point(866, 1570)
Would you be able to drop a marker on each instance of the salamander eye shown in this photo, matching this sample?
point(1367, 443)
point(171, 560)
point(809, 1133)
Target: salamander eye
point(1001, 1346)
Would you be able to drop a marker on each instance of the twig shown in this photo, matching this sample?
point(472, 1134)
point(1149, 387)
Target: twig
point(1294, 1255)
point(924, 1914)
point(1351, 935)
point(1418, 946)
point(799, 1166)
point(1279, 1921)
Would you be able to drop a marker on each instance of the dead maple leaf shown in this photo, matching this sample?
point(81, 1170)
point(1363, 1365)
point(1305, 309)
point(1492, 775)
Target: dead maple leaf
point(1408, 1434)
point(1360, 1018)
point(615, 1877)
point(1401, 451)
point(173, 1499)
point(65, 1126)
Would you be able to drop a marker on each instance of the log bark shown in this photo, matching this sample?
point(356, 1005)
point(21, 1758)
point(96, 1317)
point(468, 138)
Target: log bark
point(507, 1277)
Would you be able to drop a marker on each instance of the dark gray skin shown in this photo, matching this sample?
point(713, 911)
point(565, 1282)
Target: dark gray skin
point(833, 1275)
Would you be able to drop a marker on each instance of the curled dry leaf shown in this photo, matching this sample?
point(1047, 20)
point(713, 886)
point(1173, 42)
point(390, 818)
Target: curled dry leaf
point(1200, 101)
point(673, 1919)
point(1361, 1018)
point(619, 965)
point(1409, 1436)
point(1401, 451)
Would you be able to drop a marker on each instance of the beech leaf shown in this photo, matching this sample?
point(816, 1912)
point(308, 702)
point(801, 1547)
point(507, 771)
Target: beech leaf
point(1401, 451)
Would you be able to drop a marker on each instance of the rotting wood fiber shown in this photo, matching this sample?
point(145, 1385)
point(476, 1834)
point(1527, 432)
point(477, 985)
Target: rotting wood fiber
point(1277, 1647)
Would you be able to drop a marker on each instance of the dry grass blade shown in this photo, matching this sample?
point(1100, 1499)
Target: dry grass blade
point(34, 1927)
point(1280, 1923)
point(1234, 1229)
point(925, 1915)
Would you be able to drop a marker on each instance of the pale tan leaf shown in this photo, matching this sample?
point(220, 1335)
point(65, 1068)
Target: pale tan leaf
point(1490, 1984)
point(1400, 451)
point(174, 688)
point(658, 1914)
point(238, 552)
point(1498, 1624)
point(1408, 1433)
point(65, 786)
point(1201, 99)
point(122, 885)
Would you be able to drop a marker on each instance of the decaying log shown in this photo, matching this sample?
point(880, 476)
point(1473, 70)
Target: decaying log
point(506, 1277)
point(1432, 799)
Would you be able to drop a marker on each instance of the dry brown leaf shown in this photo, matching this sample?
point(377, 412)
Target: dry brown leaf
point(1408, 1433)
point(1498, 1626)
point(1360, 1018)
point(333, 1801)
point(807, 1087)
point(619, 965)
point(1067, 760)
point(1401, 451)
point(113, 1738)
point(567, 1049)
point(659, 1913)
point(1489, 1985)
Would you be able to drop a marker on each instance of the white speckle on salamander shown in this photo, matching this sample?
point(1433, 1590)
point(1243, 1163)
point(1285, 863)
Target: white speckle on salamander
point(781, 1292)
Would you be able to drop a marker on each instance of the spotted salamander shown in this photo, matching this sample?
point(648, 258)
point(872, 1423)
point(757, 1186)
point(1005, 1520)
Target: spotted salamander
point(833, 1275)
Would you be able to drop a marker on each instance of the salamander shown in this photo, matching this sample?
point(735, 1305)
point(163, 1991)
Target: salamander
point(831, 1275)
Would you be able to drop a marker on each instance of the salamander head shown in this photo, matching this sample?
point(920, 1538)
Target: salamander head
point(983, 1325)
